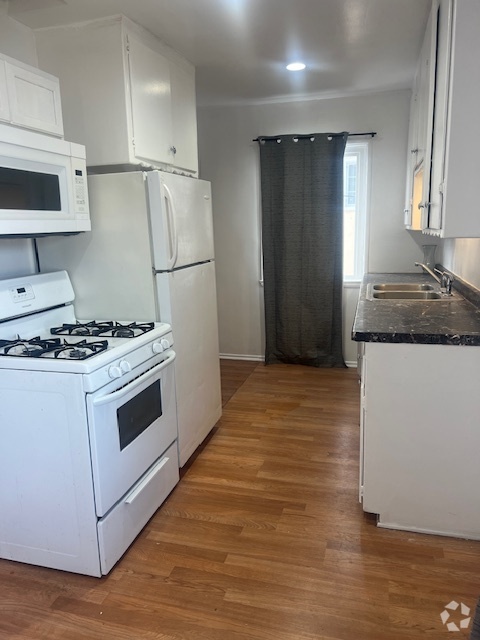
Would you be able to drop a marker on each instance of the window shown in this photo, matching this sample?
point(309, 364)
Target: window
point(355, 182)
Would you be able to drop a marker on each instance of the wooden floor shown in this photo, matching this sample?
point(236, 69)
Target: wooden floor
point(262, 539)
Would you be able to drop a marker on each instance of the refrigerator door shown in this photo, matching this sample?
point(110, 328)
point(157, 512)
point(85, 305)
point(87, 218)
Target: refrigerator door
point(187, 300)
point(181, 220)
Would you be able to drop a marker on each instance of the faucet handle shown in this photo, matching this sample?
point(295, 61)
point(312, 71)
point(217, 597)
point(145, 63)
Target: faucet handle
point(446, 281)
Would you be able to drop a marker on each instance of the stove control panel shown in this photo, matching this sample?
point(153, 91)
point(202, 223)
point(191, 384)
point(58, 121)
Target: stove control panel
point(19, 294)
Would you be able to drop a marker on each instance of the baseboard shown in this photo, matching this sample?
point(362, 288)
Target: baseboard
point(432, 532)
point(351, 364)
point(237, 356)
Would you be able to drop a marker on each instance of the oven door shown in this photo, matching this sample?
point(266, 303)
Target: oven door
point(130, 427)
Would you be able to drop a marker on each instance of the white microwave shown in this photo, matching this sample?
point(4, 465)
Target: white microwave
point(43, 185)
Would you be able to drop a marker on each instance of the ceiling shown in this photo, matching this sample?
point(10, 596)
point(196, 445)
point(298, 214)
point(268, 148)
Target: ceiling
point(240, 47)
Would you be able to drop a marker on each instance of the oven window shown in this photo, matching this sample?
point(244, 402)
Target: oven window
point(29, 190)
point(138, 413)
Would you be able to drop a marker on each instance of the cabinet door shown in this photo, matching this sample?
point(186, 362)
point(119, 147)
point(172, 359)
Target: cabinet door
point(420, 131)
point(4, 108)
point(443, 18)
point(149, 76)
point(184, 118)
point(34, 100)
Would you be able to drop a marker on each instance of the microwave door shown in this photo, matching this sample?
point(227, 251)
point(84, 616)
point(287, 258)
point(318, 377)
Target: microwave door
point(24, 191)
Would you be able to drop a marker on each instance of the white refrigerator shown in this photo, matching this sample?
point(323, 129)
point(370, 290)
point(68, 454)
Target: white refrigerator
point(150, 257)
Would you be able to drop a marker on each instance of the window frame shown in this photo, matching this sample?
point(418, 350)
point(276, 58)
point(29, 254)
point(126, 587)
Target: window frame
point(361, 150)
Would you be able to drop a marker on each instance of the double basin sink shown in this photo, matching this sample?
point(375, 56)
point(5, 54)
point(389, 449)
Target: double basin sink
point(403, 292)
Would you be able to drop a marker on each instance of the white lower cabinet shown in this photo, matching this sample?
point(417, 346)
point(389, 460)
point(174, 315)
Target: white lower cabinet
point(118, 529)
point(421, 437)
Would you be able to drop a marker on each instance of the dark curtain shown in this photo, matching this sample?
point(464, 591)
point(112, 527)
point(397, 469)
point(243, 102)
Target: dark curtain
point(302, 235)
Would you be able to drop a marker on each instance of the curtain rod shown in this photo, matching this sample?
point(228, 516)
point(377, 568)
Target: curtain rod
point(371, 134)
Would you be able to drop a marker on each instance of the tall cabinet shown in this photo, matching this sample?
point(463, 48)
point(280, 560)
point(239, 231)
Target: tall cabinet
point(444, 124)
point(127, 97)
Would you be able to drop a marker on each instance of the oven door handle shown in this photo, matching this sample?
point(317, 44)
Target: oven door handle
point(143, 483)
point(115, 395)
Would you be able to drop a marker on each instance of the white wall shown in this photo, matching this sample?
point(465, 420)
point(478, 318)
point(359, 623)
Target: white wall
point(461, 256)
point(229, 158)
point(16, 41)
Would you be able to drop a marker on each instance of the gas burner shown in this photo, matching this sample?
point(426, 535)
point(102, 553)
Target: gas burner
point(51, 347)
point(80, 350)
point(110, 329)
point(77, 329)
point(33, 348)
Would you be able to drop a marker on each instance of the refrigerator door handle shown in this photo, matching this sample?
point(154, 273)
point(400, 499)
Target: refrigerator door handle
point(172, 228)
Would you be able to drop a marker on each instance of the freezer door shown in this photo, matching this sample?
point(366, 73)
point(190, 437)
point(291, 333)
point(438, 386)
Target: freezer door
point(181, 220)
point(187, 300)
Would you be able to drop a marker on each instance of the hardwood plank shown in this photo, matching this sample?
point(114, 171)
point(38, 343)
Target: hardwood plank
point(234, 373)
point(263, 539)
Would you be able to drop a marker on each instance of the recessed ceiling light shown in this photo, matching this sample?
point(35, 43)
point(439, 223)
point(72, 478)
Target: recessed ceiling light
point(296, 66)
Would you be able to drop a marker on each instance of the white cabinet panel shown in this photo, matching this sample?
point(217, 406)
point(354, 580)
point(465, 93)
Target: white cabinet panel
point(34, 100)
point(139, 105)
point(151, 102)
point(420, 131)
point(421, 437)
point(445, 183)
point(4, 107)
point(184, 117)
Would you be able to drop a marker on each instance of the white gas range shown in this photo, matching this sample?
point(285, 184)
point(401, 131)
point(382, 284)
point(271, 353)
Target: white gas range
point(89, 428)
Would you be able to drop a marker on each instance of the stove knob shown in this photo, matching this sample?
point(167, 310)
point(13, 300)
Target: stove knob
point(125, 366)
point(165, 343)
point(157, 347)
point(114, 372)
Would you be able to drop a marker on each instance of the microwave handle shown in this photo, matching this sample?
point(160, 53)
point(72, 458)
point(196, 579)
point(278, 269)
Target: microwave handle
point(115, 395)
point(172, 226)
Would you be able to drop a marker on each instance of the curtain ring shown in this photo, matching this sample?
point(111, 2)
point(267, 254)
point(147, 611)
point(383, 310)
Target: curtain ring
point(295, 139)
point(312, 139)
point(329, 138)
point(279, 140)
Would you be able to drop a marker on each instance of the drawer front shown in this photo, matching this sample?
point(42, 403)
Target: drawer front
point(118, 529)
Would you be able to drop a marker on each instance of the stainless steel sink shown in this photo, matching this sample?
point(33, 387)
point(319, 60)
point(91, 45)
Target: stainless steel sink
point(402, 287)
point(407, 295)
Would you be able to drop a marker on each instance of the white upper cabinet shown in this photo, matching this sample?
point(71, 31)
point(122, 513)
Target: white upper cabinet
point(121, 94)
point(151, 100)
point(442, 190)
point(4, 104)
point(29, 98)
point(421, 119)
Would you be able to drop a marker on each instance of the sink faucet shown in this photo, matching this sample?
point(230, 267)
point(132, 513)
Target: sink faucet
point(445, 280)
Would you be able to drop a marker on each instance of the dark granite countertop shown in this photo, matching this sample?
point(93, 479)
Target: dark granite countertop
point(451, 320)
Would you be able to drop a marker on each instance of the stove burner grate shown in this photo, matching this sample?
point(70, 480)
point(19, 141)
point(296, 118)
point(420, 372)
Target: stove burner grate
point(111, 329)
point(56, 347)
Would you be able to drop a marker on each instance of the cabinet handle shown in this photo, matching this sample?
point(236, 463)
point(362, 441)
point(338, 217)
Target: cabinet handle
point(424, 205)
point(413, 150)
point(173, 150)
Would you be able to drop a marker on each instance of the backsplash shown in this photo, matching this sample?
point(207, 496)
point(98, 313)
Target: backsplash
point(461, 256)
